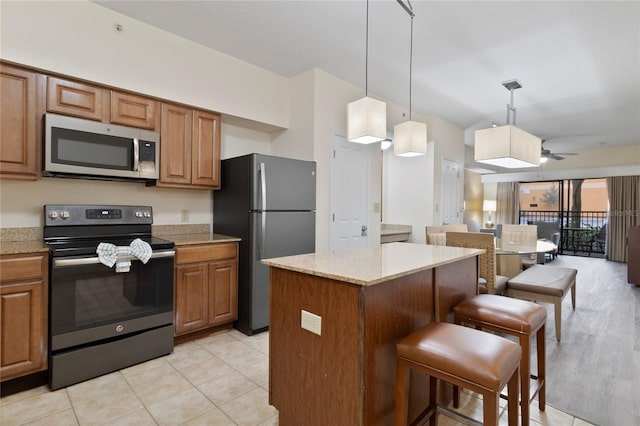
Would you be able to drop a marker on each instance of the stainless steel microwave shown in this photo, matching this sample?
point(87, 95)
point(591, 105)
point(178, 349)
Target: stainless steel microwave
point(78, 147)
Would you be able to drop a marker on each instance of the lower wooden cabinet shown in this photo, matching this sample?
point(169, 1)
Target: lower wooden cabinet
point(206, 286)
point(23, 314)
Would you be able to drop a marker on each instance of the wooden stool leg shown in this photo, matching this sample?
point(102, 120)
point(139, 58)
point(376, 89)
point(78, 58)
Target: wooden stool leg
point(433, 400)
point(490, 407)
point(525, 372)
point(512, 407)
point(402, 384)
point(542, 375)
point(558, 314)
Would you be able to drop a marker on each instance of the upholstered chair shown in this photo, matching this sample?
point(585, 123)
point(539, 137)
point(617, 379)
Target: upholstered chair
point(489, 281)
point(436, 234)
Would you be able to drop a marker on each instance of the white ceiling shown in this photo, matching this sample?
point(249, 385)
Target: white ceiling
point(578, 61)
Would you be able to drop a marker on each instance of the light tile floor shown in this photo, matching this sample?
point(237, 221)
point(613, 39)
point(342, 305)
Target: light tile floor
point(218, 380)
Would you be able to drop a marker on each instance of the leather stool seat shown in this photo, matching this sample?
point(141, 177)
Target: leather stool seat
point(476, 360)
point(518, 318)
point(512, 314)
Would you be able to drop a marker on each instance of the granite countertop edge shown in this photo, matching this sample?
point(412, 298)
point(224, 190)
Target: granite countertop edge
point(355, 276)
point(198, 238)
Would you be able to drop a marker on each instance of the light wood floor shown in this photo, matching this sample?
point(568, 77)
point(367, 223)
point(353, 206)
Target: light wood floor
point(594, 373)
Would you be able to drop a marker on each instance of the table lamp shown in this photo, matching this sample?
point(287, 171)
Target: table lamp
point(489, 206)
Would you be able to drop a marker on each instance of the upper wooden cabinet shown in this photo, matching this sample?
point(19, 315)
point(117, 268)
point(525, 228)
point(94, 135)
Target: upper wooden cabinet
point(77, 99)
point(93, 102)
point(20, 140)
point(23, 317)
point(189, 148)
point(135, 111)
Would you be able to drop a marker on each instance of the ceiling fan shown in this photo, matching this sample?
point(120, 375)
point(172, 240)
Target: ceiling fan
point(545, 154)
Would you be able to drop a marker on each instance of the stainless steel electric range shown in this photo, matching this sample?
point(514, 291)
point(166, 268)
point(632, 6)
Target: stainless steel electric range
point(112, 310)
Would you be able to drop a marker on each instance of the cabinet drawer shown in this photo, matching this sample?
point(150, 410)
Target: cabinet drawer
point(21, 268)
point(206, 252)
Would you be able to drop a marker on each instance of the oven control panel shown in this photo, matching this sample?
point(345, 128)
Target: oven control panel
point(73, 214)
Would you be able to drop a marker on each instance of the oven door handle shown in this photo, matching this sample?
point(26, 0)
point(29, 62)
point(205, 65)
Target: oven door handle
point(61, 263)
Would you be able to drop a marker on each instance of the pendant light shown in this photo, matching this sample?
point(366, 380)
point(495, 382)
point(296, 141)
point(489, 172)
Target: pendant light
point(508, 146)
point(410, 137)
point(366, 117)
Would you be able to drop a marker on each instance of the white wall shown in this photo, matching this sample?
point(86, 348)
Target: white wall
point(21, 201)
point(330, 117)
point(411, 186)
point(78, 38)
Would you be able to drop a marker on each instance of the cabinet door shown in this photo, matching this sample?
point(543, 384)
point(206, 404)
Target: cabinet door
point(206, 149)
point(19, 153)
point(21, 328)
point(77, 99)
point(23, 315)
point(175, 144)
point(135, 111)
point(223, 292)
point(191, 298)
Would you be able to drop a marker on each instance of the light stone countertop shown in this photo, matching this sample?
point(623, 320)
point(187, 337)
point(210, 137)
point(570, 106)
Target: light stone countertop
point(373, 265)
point(200, 238)
point(22, 247)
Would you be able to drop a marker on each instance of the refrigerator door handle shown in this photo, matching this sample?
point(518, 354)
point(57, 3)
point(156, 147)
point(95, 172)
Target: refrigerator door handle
point(263, 187)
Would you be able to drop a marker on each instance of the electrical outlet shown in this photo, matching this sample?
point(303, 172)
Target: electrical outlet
point(184, 215)
point(311, 322)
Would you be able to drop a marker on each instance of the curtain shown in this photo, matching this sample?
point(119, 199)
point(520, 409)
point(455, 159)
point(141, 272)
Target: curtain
point(624, 204)
point(508, 203)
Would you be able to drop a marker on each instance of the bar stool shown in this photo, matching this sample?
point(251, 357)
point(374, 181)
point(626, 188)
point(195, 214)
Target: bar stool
point(473, 359)
point(518, 318)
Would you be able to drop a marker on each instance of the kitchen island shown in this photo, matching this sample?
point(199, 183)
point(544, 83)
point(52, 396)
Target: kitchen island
point(366, 300)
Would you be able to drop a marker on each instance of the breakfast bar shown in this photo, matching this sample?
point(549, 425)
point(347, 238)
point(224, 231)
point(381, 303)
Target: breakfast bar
point(335, 318)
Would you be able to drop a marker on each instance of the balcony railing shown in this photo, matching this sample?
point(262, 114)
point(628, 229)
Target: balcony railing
point(579, 234)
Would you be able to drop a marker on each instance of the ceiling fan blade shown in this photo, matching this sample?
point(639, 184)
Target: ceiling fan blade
point(565, 153)
point(555, 157)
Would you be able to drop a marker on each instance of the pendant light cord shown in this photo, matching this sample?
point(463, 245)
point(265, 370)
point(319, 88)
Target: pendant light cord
point(410, 65)
point(366, 55)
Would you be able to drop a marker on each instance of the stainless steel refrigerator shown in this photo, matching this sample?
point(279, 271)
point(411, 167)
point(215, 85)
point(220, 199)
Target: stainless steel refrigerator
point(269, 202)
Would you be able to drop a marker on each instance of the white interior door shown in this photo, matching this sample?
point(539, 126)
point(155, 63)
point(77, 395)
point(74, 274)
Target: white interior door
point(349, 194)
point(450, 192)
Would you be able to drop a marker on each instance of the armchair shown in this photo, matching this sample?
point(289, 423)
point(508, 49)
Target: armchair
point(549, 231)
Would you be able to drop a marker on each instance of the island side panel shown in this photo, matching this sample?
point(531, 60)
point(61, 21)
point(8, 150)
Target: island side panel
point(314, 380)
point(392, 311)
point(454, 282)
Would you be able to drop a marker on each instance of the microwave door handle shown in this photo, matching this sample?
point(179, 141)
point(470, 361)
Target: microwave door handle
point(136, 154)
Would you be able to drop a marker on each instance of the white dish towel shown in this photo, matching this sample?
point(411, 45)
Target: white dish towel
point(108, 254)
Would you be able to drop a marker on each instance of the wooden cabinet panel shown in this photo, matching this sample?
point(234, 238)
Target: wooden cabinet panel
point(190, 148)
point(206, 286)
point(206, 252)
point(191, 298)
point(223, 296)
point(23, 315)
point(19, 147)
point(206, 149)
point(21, 328)
point(135, 111)
point(175, 145)
point(77, 99)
